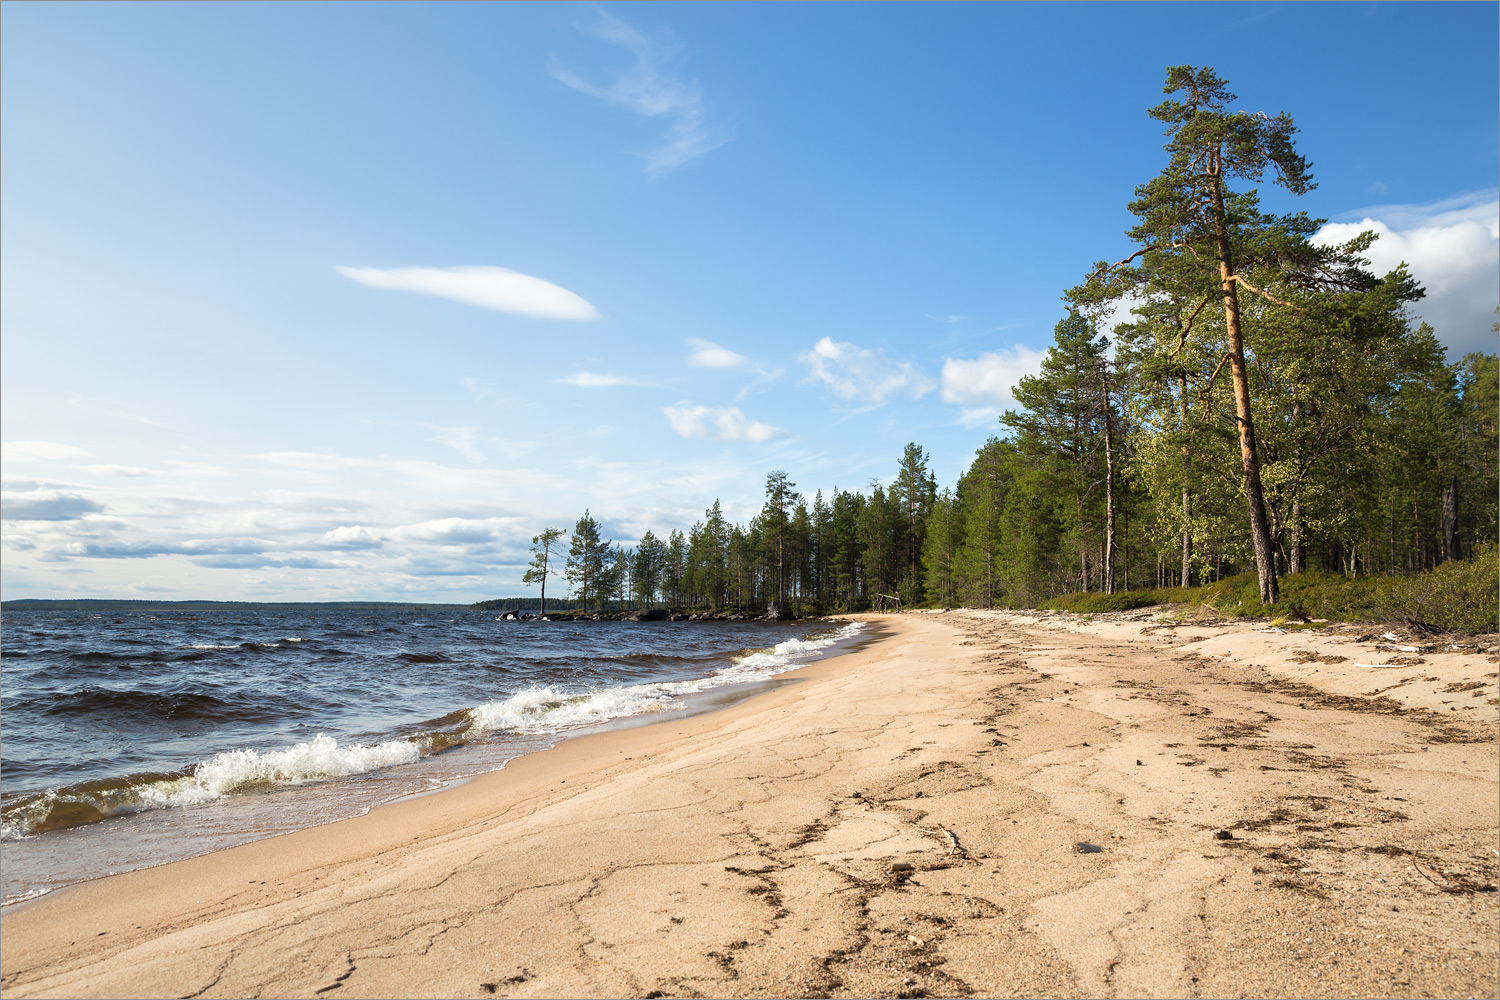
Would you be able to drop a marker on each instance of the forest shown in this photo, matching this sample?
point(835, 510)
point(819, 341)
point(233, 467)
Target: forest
point(1232, 398)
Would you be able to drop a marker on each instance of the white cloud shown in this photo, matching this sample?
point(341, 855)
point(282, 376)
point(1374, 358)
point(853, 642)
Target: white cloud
point(1453, 249)
point(198, 468)
point(46, 505)
point(594, 380)
point(649, 88)
point(38, 451)
point(853, 372)
point(487, 287)
point(355, 536)
point(454, 530)
point(985, 386)
point(116, 470)
point(707, 354)
point(727, 424)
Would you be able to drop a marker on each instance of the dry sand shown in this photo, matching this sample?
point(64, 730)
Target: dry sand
point(749, 852)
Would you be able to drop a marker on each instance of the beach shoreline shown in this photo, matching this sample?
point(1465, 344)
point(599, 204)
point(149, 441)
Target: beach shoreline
point(749, 850)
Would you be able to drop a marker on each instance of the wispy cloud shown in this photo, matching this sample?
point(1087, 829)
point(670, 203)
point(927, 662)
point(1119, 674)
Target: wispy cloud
point(486, 287)
point(596, 380)
point(1453, 249)
point(650, 88)
point(856, 373)
point(38, 451)
point(707, 354)
point(985, 386)
point(727, 424)
point(464, 440)
point(133, 471)
point(198, 468)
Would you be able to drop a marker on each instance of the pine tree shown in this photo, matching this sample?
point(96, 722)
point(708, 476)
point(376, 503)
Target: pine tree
point(589, 563)
point(1205, 241)
point(912, 493)
point(541, 561)
point(1061, 428)
point(647, 568)
point(775, 520)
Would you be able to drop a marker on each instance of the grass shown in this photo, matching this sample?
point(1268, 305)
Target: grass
point(1454, 597)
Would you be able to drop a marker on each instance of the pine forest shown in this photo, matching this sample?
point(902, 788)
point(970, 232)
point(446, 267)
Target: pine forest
point(1230, 401)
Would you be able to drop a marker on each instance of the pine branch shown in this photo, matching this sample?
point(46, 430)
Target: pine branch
point(1182, 338)
point(1265, 295)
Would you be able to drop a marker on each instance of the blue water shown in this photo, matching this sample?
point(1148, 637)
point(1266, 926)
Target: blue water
point(136, 737)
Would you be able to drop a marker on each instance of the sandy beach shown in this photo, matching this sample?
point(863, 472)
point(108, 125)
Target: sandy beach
point(1262, 815)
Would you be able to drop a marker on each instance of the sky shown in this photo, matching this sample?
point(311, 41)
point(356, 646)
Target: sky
point(349, 301)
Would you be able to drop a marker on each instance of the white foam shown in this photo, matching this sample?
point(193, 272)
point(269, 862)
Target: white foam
point(550, 709)
point(538, 710)
point(318, 759)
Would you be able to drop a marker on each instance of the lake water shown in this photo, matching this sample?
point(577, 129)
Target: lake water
point(131, 738)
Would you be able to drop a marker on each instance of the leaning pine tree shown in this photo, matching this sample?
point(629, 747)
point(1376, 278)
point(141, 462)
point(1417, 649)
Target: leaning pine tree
point(541, 560)
point(1201, 240)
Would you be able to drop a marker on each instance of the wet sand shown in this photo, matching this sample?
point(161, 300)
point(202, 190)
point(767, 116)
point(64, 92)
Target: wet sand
point(904, 821)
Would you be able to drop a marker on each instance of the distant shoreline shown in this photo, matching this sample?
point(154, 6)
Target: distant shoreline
point(118, 604)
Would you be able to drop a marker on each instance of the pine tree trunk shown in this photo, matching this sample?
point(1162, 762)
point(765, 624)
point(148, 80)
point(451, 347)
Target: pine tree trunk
point(1450, 521)
point(1297, 556)
point(1187, 457)
point(1260, 529)
point(1109, 491)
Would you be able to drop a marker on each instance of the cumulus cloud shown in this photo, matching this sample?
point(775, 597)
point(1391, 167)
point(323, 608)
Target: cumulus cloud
point(1453, 249)
point(487, 287)
point(707, 354)
point(727, 424)
point(595, 380)
point(38, 451)
point(350, 536)
point(985, 386)
point(46, 505)
point(451, 531)
point(651, 89)
point(855, 373)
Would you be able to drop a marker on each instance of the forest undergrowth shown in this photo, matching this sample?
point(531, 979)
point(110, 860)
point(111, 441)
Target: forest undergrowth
point(1454, 597)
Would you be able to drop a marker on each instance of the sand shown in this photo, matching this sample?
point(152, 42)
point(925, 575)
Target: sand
point(750, 852)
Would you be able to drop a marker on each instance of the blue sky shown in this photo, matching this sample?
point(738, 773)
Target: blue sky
point(338, 301)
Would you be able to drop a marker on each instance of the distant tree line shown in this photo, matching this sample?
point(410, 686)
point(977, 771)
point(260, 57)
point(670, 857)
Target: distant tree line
point(1267, 406)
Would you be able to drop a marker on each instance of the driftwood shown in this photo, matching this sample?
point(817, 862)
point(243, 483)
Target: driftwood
point(954, 847)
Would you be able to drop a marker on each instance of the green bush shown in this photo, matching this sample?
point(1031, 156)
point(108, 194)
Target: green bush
point(1454, 597)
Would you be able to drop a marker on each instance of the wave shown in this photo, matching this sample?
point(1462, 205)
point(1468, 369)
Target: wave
point(538, 710)
point(160, 706)
point(544, 709)
point(423, 657)
point(288, 642)
point(319, 759)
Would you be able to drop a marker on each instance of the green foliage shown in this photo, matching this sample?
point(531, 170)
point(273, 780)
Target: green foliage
point(1374, 488)
point(590, 566)
point(1454, 597)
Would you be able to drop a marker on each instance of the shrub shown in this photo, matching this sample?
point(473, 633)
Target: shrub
point(1454, 597)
